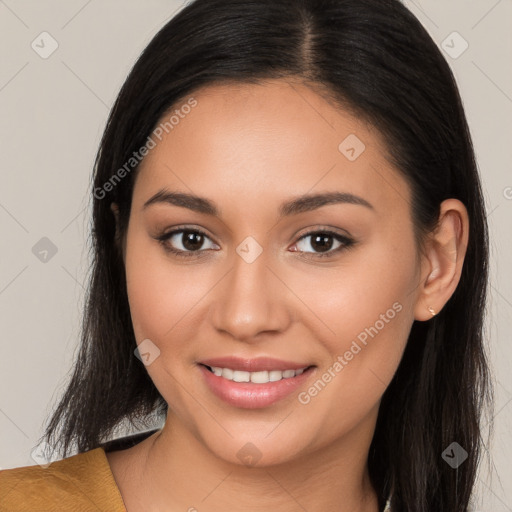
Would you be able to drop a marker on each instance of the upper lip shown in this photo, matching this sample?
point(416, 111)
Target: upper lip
point(253, 365)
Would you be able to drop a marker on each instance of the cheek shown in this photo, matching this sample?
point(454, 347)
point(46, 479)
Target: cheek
point(163, 296)
point(368, 306)
point(353, 296)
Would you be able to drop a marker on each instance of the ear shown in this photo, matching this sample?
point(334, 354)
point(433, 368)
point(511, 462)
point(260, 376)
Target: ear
point(443, 258)
point(117, 238)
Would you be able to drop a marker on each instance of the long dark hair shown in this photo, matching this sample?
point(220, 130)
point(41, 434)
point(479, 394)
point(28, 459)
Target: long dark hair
point(374, 58)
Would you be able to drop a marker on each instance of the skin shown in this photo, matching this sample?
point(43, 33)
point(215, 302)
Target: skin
point(249, 148)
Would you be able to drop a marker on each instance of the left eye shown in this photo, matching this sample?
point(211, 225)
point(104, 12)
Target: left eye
point(323, 242)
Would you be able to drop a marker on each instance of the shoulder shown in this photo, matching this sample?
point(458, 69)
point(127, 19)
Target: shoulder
point(80, 482)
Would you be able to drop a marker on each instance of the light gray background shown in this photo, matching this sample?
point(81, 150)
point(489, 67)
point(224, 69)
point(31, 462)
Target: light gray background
point(53, 112)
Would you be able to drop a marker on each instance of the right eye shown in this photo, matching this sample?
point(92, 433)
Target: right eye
point(185, 242)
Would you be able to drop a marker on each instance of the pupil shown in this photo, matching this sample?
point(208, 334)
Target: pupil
point(322, 242)
point(189, 243)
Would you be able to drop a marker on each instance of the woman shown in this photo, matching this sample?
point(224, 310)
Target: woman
point(290, 264)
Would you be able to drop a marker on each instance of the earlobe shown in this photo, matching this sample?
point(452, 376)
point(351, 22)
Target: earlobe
point(443, 260)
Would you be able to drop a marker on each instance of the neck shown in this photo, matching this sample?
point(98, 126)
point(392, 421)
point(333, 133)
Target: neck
point(178, 472)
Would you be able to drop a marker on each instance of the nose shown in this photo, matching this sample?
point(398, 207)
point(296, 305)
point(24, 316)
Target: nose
point(250, 301)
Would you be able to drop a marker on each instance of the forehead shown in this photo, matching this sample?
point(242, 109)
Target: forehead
point(273, 140)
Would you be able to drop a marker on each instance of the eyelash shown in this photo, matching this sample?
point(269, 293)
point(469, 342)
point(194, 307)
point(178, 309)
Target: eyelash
point(344, 240)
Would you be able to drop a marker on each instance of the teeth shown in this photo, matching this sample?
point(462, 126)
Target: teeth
point(227, 373)
point(275, 375)
point(239, 376)
point(256, 377)
point(259, 377)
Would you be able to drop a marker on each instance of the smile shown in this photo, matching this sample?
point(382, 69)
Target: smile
point(254, 389)
point(261, 377)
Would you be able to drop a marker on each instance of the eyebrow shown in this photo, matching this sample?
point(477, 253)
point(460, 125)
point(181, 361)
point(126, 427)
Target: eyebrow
point(294, 206)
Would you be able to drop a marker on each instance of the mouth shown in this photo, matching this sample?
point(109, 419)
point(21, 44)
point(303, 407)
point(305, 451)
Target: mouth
point(259, 377)
point(254, 389)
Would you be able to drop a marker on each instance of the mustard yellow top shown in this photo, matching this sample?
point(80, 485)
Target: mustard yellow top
point(80, 483)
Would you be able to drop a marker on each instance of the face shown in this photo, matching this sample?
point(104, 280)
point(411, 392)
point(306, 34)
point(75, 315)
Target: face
point(327, 286)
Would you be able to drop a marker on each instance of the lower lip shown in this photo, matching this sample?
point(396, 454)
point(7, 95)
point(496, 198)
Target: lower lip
point(248, 395)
